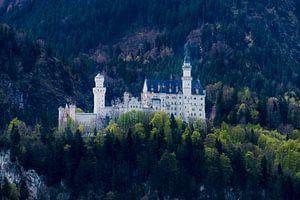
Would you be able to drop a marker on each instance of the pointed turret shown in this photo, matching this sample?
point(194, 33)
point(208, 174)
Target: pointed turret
point(145, 86)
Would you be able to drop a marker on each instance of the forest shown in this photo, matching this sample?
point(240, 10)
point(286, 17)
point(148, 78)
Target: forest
point(246, 54)
point(151, 156)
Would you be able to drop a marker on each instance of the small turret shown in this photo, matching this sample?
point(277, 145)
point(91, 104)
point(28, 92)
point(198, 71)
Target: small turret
point(64, 113)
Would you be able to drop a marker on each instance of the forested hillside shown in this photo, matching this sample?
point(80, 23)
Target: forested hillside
point(256, 42)
point(32, 82)
point(246, 53)
point(154, 156)
point(237, 43)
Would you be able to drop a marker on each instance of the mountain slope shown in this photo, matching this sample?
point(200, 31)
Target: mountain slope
point(257, 43)
point(240, 43)
point(31, 80)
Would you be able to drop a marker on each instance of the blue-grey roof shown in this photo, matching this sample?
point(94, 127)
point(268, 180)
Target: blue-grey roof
point(172, 86)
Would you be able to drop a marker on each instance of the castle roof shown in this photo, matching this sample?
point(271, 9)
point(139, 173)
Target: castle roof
point(187, 62)
point(172, 86)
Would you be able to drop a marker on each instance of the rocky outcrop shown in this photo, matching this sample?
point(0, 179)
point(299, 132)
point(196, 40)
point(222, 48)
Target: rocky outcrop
point(14, 172)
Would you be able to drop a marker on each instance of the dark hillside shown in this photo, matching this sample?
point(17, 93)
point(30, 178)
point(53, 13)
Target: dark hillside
point(32, 81)
point(239, 43)
point(256, 42)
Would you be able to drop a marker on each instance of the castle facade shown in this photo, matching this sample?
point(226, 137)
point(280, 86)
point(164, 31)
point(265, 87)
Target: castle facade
point(183, 98)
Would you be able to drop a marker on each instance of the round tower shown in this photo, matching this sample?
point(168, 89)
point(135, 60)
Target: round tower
point(60, 116)
point(99, 94)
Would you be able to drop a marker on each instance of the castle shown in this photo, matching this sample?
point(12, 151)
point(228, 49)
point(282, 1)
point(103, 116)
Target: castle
point(183, 98)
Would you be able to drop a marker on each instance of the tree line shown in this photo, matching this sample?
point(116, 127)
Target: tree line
point(141, 155)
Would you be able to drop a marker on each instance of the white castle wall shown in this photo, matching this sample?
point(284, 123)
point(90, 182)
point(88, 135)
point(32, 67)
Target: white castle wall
point(86, 119)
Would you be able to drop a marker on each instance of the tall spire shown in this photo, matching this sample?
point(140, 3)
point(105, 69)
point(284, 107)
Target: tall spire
point(145, 85)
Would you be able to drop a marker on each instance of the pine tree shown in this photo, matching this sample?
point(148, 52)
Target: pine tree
point(24, 192)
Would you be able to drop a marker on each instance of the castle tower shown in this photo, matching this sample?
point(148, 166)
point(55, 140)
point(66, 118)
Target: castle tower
point(126, 98)
point(186, 77)
point(186, 87)
point(99, 94)
point(60, 116)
